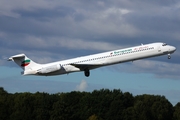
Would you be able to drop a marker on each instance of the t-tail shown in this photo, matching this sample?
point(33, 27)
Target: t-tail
point(25, 63)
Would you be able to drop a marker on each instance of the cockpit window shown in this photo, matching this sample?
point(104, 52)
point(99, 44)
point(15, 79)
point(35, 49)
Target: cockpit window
point(164, 44)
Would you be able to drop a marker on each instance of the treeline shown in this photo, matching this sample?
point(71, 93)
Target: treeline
point(101, 104)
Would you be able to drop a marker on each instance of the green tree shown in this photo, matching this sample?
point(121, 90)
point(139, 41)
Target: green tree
point(23, 107)
point(94, 117)
point(67, 106)
point(129, 114)
point(101, 104)
point(5, 107)
point(43, 104)
point(150, 107)
point(176, 115)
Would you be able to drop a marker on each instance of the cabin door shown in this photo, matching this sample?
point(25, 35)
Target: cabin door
point(159, 49)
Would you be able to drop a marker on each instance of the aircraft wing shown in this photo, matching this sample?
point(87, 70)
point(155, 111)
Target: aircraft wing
point(87, 66)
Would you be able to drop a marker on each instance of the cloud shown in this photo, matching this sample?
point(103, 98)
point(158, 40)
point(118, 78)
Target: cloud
point(160, 69)
point(97, 21)
point(86, 45)
point(157, 68)
point(82, 86)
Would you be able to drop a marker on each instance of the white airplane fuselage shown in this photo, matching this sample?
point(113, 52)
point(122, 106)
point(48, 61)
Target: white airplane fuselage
point(86, 63)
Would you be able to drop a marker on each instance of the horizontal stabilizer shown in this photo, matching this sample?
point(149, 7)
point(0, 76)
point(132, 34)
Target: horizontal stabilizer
point(16, 56)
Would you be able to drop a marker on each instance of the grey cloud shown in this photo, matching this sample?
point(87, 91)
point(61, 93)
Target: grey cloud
point(99, 22)
point(44, 13)
point(158, 68)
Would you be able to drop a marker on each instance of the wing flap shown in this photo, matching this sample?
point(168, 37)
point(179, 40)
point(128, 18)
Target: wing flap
point(87, 66)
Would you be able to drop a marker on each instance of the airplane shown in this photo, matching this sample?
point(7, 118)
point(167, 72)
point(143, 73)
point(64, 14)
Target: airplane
point(87, 63)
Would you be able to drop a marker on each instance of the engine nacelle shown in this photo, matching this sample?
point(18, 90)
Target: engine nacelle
point(28, 72)
point(49, 69)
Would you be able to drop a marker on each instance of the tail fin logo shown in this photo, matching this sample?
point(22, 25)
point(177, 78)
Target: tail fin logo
point(25, 62)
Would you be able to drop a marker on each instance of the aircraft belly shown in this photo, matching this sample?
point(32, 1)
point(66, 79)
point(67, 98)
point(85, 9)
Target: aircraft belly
point(59, 72)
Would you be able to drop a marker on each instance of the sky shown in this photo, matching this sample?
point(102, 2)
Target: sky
point(48, 31)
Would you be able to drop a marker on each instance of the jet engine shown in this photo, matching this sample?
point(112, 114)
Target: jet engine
point(49, 69)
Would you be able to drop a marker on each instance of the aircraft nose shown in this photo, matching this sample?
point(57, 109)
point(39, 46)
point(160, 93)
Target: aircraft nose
point(173, 49)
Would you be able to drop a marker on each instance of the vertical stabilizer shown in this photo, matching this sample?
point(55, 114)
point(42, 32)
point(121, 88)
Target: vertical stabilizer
point(24, 62)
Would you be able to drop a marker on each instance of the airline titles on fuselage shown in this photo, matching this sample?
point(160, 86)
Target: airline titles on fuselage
point(131, 50)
